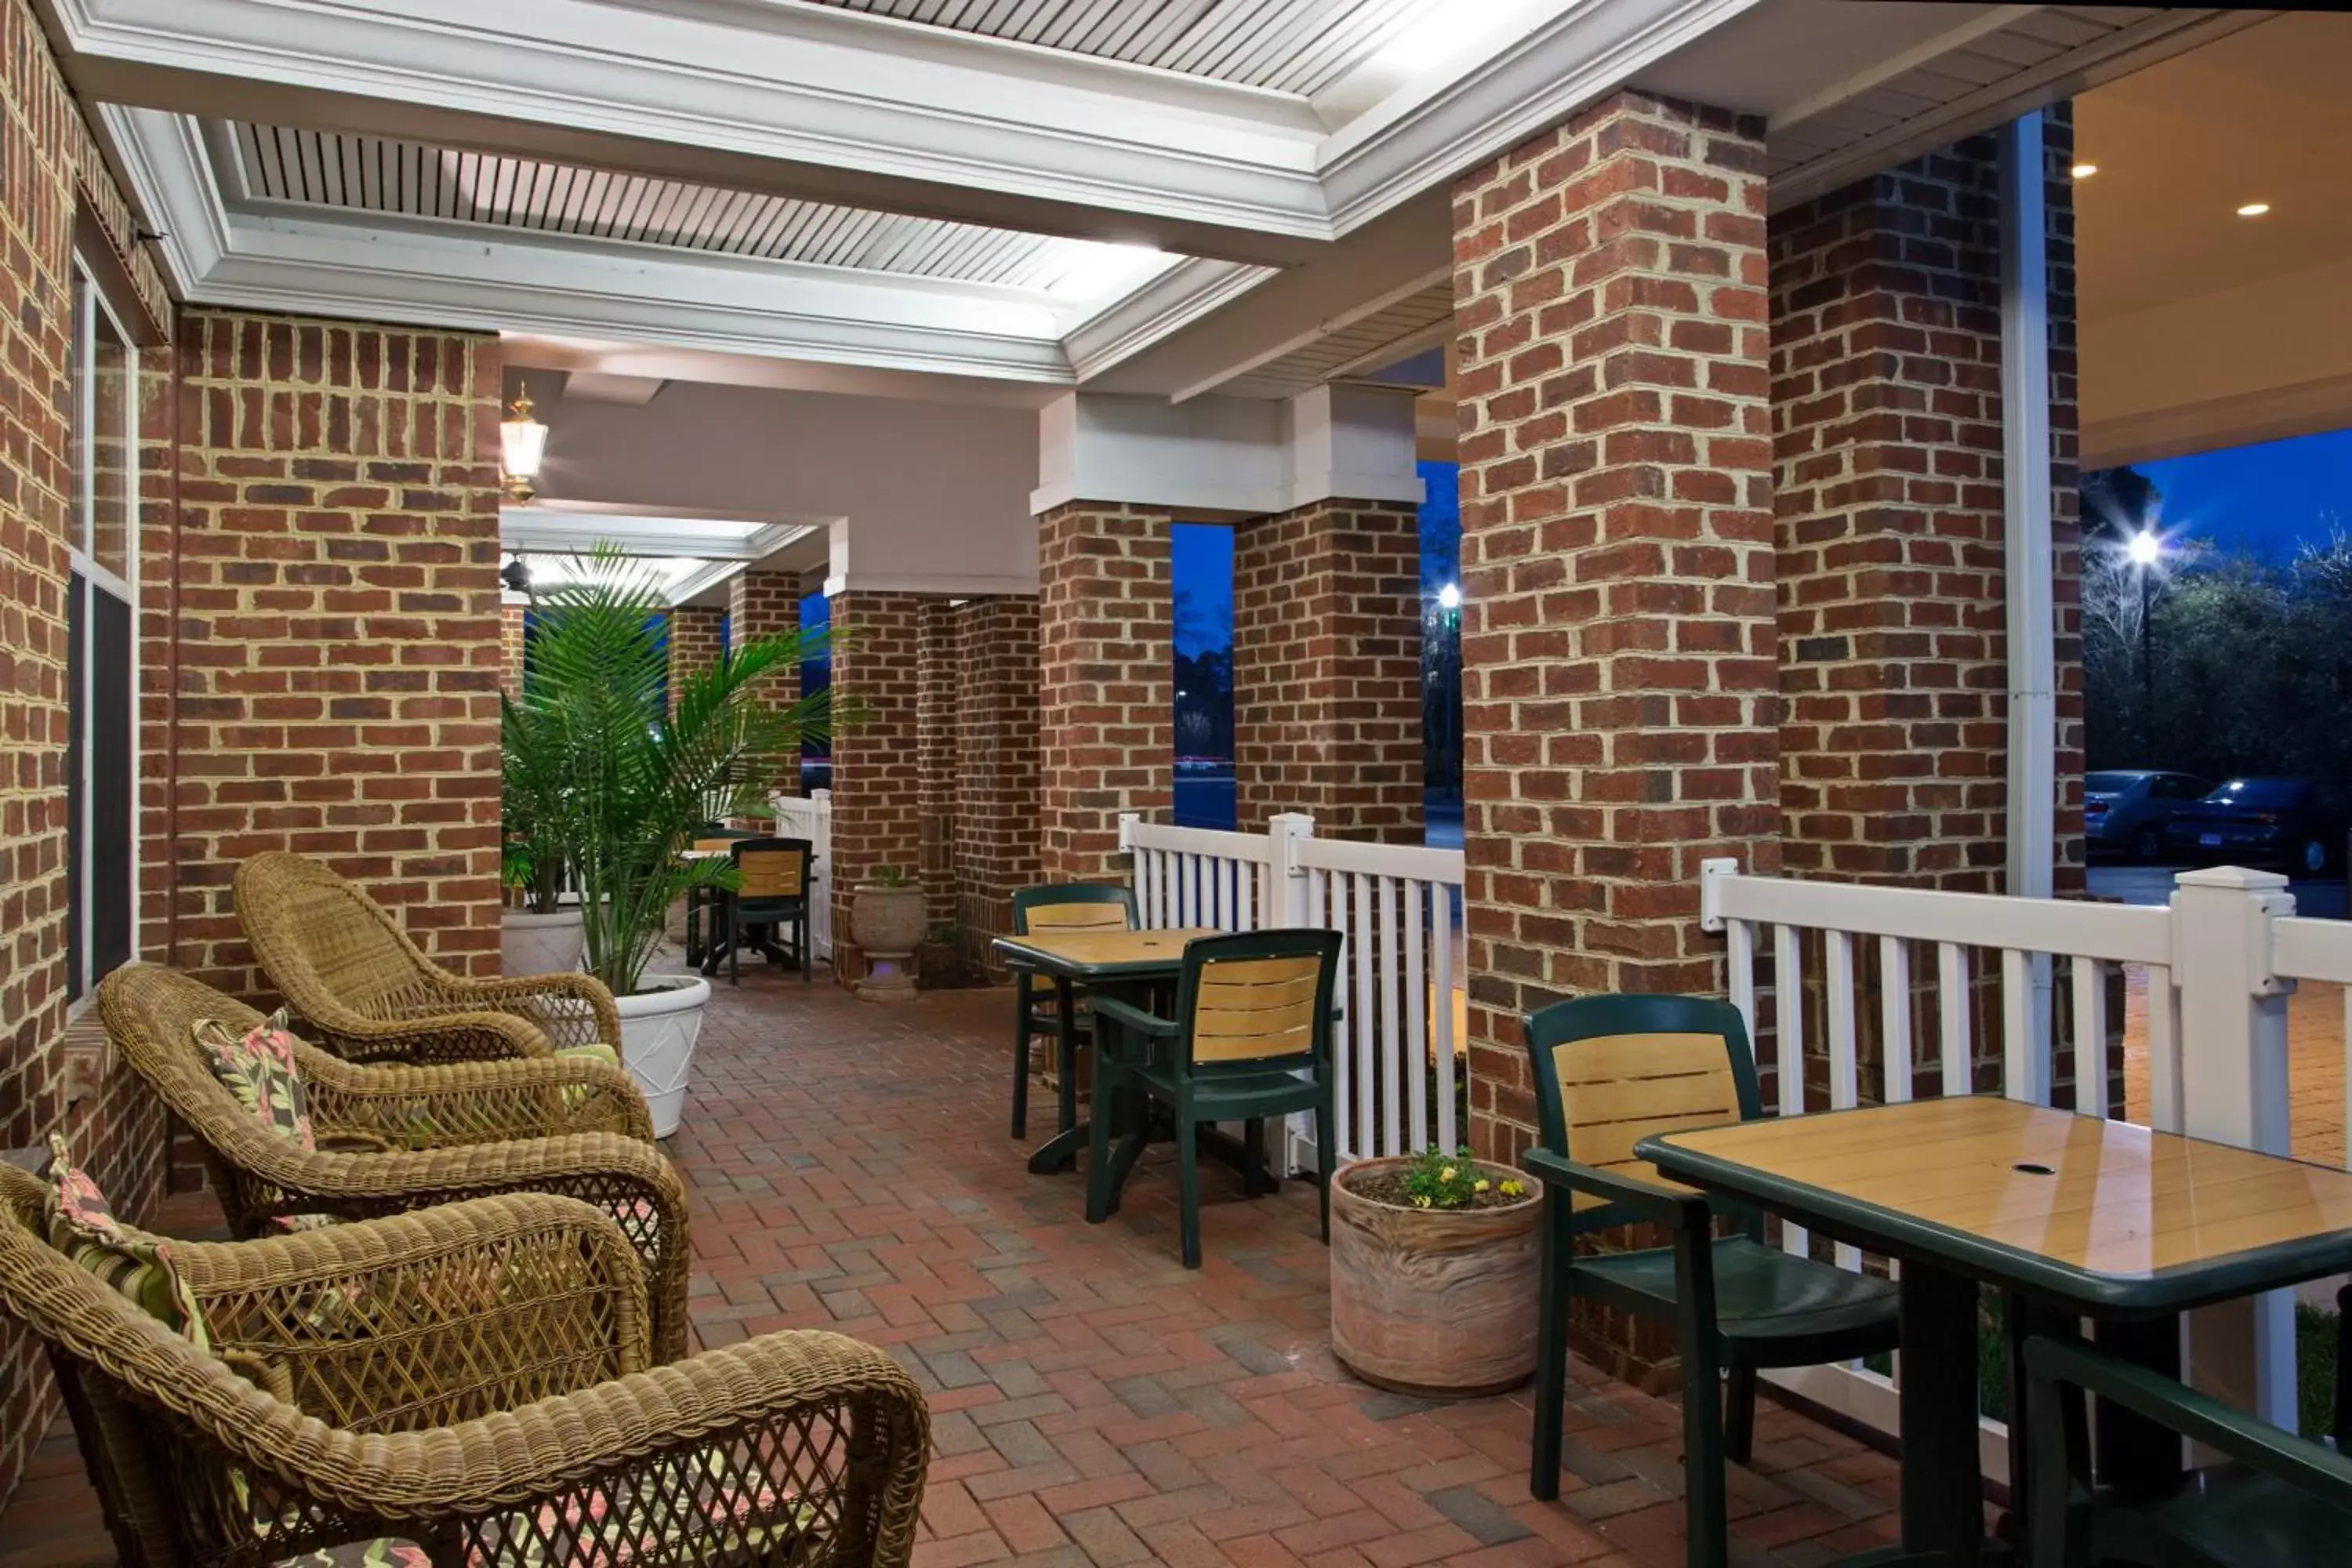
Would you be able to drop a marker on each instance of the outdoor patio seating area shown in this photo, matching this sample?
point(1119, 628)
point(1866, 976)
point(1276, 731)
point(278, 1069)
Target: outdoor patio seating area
point(1092, 1400)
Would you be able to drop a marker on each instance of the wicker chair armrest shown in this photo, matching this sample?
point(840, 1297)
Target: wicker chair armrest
point(747, 1423)
point(477, 1035)
point(627, 1178)
point(495, 1303)
point(456, 1103)
point(569, 1009)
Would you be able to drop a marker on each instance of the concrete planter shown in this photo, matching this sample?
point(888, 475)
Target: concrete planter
point(888, 925)
point(659, 1026)
point(539, 944)
point(1435, 1302)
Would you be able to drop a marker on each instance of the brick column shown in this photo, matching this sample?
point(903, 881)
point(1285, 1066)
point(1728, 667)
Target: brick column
point(341, 635)
point(512, 648)
point(878, 761)
point(1887, 422)
point(995, 830)
point(697, 640)
point(1619, 684)
point(766, 604)
point(1107, 691)
point(1327, 668)
point(937, 723)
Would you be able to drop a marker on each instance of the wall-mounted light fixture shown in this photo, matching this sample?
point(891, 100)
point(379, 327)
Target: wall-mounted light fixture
point(523, 444)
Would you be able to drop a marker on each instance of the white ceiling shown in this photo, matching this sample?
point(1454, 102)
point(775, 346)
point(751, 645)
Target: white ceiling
point(1289, 46)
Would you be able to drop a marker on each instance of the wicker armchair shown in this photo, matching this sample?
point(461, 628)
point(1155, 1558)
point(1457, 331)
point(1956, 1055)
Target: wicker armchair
point(473, 1380)
point(348, 969)
point(394, 1139)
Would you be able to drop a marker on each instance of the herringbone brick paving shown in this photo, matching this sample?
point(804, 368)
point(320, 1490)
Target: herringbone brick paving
point(1094, 1403)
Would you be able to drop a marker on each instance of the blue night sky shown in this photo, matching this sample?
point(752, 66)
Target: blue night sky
point(2267, 499)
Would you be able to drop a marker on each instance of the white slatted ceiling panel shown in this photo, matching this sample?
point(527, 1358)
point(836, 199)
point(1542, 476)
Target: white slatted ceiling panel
point(1291, 45)
point(378, 174)
point(1312, 365)
point(2032, 40)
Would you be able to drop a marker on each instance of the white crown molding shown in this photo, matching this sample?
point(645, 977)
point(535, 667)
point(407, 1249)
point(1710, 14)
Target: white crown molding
point(558, 530)
point(1194, 287)
point(1427, 132)
point(946, 584)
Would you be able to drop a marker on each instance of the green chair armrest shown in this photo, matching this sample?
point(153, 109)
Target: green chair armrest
point(2200, 1417)
point(1650, 1202)
point(1128, 1016)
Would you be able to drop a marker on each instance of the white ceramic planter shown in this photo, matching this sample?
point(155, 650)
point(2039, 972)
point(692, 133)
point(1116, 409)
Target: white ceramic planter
point(539, 944)
point(658, 1029)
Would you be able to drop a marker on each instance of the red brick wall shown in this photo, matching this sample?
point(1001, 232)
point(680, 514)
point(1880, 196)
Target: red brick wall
point(877, 782)
point(1888, 421)
point(512, 648)
point(339, 623)
point(764, 604)
point(53, 173)
point(1107, 693)
point(696, 642)
point(937, 721)
point(1327, 668)
point(995, 830)
point(1619, 683)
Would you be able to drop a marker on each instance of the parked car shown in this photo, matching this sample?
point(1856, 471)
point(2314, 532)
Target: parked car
point(2295, 824)
point(2125, 809)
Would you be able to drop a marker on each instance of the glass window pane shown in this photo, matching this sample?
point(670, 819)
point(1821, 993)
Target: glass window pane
point(114, 463)
point(78, 419)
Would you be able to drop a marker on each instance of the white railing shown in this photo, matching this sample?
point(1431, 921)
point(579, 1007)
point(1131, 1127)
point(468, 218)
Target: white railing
point(810, 817)
point(2217, 964)
point(1397, 910)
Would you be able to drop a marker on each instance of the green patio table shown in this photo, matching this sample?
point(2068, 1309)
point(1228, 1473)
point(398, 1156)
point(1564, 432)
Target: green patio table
point(2072, 1216)
point(1125, 960)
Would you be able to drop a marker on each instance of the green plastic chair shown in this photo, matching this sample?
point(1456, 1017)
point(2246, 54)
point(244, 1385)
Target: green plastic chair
point(1609, 1072)
point(775, 894)
point(709, 836)
point(1251, 1038)
point(1064, 906)
point(2281, 1499)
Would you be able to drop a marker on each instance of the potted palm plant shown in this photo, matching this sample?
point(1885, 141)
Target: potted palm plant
point(639, 777)
point(543, 934)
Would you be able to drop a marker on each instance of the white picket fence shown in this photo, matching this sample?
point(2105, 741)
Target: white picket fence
point(1397, 910)
point(2217, 963)
point(810, 817)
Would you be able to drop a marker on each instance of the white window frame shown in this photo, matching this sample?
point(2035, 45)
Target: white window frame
point(83, 360)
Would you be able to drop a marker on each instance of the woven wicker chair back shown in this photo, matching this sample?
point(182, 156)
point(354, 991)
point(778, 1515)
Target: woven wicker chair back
point(324, 943)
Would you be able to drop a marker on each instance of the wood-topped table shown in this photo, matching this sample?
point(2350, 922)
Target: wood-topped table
point(2073, 1215)
point(1094, 958)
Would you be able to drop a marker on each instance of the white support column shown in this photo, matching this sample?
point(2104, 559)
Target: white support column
point(2234, 1090)
point(2028, 563)
point(1285, 893)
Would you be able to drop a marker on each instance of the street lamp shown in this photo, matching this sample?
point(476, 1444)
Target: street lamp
point(2145, 550)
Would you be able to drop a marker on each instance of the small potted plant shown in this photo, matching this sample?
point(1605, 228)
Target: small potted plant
point(541, 933)
point(940, 965)
point(1436, 1263)
point(885, 921)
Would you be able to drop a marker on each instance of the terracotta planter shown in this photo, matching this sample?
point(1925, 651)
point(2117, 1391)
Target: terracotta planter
point(539, 944)
point(888, 924)
point(1430, 1301)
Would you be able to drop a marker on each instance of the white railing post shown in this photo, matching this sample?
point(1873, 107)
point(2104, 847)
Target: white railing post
point(1285, 877)
point(2233, 1071)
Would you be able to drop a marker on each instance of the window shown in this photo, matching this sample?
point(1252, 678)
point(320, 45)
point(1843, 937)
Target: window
point(102, 663)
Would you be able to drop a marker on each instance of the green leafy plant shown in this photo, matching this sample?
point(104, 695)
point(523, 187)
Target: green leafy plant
point(629, 785)
point(1439, 1181)
point(944, 933)
point(887, 876)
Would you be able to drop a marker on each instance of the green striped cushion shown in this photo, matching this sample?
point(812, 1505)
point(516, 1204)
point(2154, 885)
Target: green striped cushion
point(127, 1260)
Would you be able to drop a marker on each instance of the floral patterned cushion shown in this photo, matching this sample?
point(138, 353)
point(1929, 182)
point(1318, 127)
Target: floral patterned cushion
point(385, 1554)
point(126, 1260)
point(258, 1068)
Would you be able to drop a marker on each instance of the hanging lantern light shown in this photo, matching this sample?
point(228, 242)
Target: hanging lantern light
point(523, 444)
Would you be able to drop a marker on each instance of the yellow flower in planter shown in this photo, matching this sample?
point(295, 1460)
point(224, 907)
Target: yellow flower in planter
point(1512, 1189)
point(1481, 1185)
point(1446, 1175)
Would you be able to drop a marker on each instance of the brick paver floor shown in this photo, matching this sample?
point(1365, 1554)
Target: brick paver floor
point(1095, 1403)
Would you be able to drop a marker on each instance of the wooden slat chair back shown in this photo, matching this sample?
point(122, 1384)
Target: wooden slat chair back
point(772, 868)
point(1059, 907)
point(1611, 1092)
point(1260, 1011)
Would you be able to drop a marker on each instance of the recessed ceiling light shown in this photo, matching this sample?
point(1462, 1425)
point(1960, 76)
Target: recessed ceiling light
point(2254, 209)
point(2084, 171)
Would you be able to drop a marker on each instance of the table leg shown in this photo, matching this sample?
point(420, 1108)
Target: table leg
point(1943, 1488)
point(693, 928)
point(2136, 1456)
point(1060, 1152)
